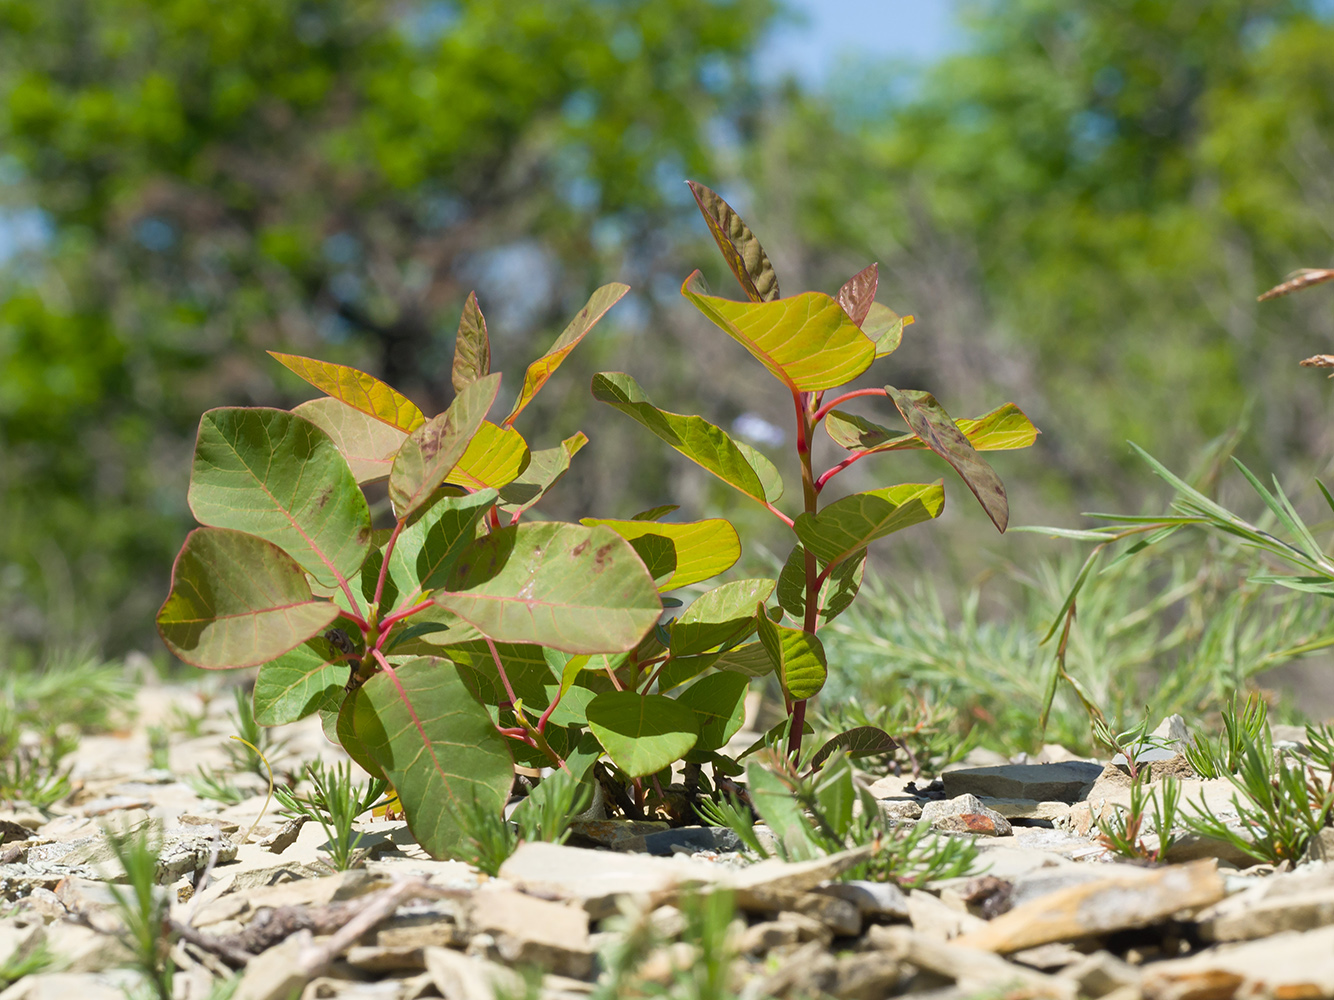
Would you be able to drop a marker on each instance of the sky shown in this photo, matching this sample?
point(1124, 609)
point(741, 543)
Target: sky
point(918, 31)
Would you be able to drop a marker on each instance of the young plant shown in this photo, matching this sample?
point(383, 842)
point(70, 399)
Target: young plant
point(335, 803)
point(1218, 760)
point(813, 343)
point(144, 910)
point(1121, 831)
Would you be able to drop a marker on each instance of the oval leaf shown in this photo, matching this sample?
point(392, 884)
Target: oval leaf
point(738, 244)
point(724, 614)
point(807, 342)
point(472, 347)
point(1003, 429)
point(857, 295)
point(427, 549)
point(863, 741)
point(885, 327)
point(358, 390)
point(237, 601)
point(853, 522)
point(543, 471)
point(641, 733)
point(276, 475)
point(540, 370)
point(436, 745)
point(299, 683)
point(752, 659)
point(836, 593)
point(798, 657)
point(696, 550)
point(494, 457)
point(719, 704)
point(432, 451)
point(577, 589)
point(346, 736)
point(705, 444)
point(934, 426)
point(368, 445)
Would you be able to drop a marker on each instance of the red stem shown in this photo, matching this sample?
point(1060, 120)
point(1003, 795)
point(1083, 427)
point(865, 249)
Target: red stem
point(833, 404)
point(500, 667)
point(384, 561)
point(830, 473)
point(391, 620)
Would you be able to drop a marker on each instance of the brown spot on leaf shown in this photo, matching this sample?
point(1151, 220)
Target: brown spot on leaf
point(579, 549)
point(600, 557)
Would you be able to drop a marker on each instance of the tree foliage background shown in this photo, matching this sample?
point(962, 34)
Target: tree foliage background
point(1079, 207)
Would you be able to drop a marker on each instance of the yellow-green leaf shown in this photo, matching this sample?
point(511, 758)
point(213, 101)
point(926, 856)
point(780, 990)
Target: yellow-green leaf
point(472, 348)
point(851, 523)
point(495, 457)
point(1003, 429)
point(357, 389)
point(691, 552)
point(368, 444)
point(798, 657)
point(431, 452)
point(738, 244)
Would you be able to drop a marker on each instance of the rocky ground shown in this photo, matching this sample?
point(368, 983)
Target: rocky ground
point(1052, 913)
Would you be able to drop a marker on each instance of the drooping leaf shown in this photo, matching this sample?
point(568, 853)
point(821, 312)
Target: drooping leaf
point(298, 683)
point(698, 550)
point(705, 444)
point(807, 341)
point(472, 346)
point(541, 369)
point(1003, 429)
point(937, 429)
point(853, 522)
point(431, 452)
point(544, 469)
point(495, 457)
point(276, 475)
point(738, 244)
point(357, 389)
point(862, 741)
point(237, 601)
point(719, 704)
point(724, 614)
point(662, 510)
point(858, 293)
point(798, 657)
point(369, 445)
point(641, 733)
point(836, 593)
point(884, 326)
point(436, 745)
point(752, 659)
point(578, 589)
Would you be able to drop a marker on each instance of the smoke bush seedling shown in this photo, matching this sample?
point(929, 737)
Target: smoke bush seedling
point(462, 638)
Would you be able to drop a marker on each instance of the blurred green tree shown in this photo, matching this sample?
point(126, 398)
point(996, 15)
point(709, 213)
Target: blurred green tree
point(320, 176)
point(1081, 208)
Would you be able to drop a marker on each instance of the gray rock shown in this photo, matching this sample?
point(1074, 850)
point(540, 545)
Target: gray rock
point(762, 938)
point(1173, 730)
point(874, 900)
point(695, 838)
point(1285, 965)
point(1102, 972)
point(532, 931)
point(935, 920)
point(1061, 782)
point(970, 968)
point(1300, 900)
point(460, 977)
point(980, 819)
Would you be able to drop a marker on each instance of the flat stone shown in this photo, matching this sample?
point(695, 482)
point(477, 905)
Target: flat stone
point(532, 931)
point(695, 838)
point(277, 973)
point(463, 977)
point(1102, 973)
point(1292, 965)
point(379, 958)
point(812, 971)
point(116, 985)
point(774, 884)
point(901, 809)
point(1300, 900)
point(838, 915)
point(874, 900)
point(762, 938)
point(936, 920)
point(965, 814)
point(83, 949)
point(1030, 809)
point(1061, 782)
point(1321, 846)
point(971, 968)
point(614, 834)
point(18, 939)
point(1116, 902)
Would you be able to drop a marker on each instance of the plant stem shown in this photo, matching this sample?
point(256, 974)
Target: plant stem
point(806, 415)
point(384, 560)
point(495, 655)
point(823, 411)
point(396, 617)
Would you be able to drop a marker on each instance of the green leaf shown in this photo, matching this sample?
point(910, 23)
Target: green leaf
point(436, 745)
point(836, 593)
point(862, 741)
point(858, 294)
point(696, 550)
point(719, 704)
point(432, 451)
point(934, 426)
point(781, 812)
point(724, 614)
point(494, 457)
point(276, 475)
point(853, 522)
point(541, 369)
point(807, 342)
point(834, 796)
point(427, 549)
point(738, 244)
point(798, 657)
point(237, 601)
point(661, 511)
point(544, 469)
point(472, 347)
point(298, 683)
point(752, 659)
point(578, 589)
point(357, 389)
point(1003, 429)
point(885, 327)
point(641, 733)
point(679, 669)
point(694, 437)
point(347, 738)
point(368, 445)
